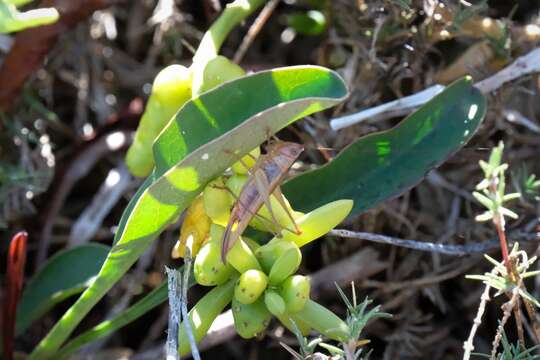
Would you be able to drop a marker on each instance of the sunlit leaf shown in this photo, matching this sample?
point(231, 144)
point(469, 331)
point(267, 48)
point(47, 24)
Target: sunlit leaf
point(385, 164)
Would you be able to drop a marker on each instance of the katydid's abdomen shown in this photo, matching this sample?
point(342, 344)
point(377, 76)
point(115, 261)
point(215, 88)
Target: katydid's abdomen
point(265, 177)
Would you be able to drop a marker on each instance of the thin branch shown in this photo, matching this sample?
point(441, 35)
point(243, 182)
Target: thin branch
point(78, 168)
point(185, 316)
point(89, 222)
point(400, 107)
point(468, 346)
point(524, 65)
point(259, 22)
point(234, 13)
point(175, 296)
point(516, 117)
point(507, 307)
point(178, 283)
point(455, 250)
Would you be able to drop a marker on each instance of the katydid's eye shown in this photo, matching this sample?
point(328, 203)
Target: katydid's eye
point(296, 151)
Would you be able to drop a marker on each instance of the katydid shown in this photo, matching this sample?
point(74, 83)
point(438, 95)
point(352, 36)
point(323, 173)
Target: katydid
point(265, 177)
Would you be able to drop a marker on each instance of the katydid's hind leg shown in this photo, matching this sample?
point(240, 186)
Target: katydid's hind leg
point(230, 237)
point(262, 185)
point(239, 159)
point(279, 197)
point(262, 218)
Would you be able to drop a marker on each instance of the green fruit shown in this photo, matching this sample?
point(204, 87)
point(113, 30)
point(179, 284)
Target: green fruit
point(270, 252)
point(203, 314)
point(323, 320)
point(214, 72)
point(242, 167)
point(295, 292)
point(216, 233)
point(171, 89)
point(318, 222)
point(264, 221)
point(285, 265)
point(253, 245)
point(286, 318)
point(274, 302)
point(241, 257)
point(235, 184)
point(250, 319)
point(217, 202)
point(250, 286)
point(208, 268)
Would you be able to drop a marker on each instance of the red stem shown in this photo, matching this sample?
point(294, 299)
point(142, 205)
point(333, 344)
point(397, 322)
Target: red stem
point(504, 246)
point(14, 281)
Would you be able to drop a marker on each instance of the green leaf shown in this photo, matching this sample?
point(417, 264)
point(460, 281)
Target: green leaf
point(271, 100)
point(385, 164)
point(67, 273)
point(484, 200)
point(194, 148)
point(108, 327)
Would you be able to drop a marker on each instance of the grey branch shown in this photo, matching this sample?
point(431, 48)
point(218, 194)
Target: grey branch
point(524, 65)
point(448, 249)
point(90, 221)
point(174, 280)
point(401, 106)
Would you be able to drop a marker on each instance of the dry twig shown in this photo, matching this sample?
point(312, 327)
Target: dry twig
point(448, 249)
point(259, 22)
point(468, 346)
point(524, 65)
point(79, 168)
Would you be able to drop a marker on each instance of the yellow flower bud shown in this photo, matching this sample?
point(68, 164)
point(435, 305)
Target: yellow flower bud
point(194, 231)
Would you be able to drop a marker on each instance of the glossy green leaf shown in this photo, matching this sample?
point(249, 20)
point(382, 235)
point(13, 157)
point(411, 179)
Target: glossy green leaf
point(206, 136)
point(67, 273)
point(385, 164)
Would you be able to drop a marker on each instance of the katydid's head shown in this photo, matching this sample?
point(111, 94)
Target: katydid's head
point(289, 150)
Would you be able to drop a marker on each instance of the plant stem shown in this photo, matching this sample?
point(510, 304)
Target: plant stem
point(233, 14)
point(519, 324)
point(507, 307)
point(468, 346)
point(532, 315)
point(504, 245)
point(183, 304)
